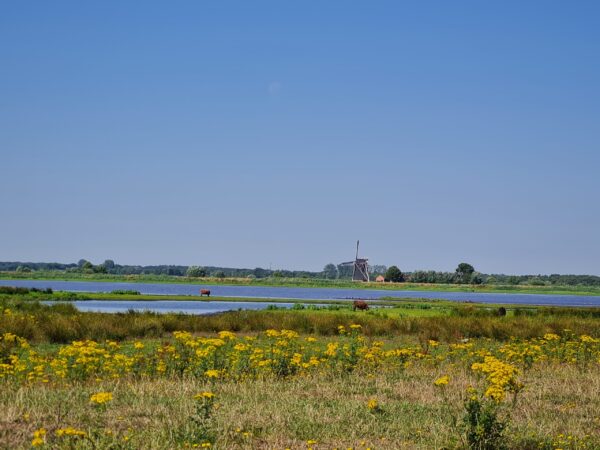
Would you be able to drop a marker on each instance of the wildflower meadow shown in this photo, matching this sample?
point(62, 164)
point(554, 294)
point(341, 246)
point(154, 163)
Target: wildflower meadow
point(282, 389)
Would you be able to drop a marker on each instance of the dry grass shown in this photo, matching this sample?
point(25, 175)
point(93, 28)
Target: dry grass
point(286, 413)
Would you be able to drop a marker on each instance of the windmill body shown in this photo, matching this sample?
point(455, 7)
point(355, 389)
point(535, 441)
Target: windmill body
point(360, 267)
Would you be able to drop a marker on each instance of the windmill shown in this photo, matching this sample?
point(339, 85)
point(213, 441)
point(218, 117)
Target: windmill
point(360, 267)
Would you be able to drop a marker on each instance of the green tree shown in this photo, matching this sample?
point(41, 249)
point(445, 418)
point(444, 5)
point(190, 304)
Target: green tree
point(330, 271)
point(195, 271)
point(344, 271)
point(378, 269)
point(100, 268)
point(394, 275)
point(260, 272)
point(514, 280)
point(464, 272)
point(477, 278)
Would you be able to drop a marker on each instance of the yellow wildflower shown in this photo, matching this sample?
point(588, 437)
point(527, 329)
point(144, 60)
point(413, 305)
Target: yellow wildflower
point(70, 431)
point(204, 395)
point(38, 437)
point(212, 373)
point(226, 335)
point(442, 381)
point(101, 398)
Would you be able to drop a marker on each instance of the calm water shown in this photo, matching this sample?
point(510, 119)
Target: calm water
point(306, 293)
point(169, 306)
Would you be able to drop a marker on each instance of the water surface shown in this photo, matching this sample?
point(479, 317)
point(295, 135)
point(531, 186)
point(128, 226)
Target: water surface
point(169, 306)
point(306, 293)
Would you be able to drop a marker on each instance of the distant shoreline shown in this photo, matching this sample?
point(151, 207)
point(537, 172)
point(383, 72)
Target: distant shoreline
point(303, 283)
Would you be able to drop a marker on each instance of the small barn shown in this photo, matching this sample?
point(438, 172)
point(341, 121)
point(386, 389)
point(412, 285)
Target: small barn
point(380, 279)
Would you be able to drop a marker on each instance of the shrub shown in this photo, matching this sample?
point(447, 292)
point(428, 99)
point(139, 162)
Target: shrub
point(125, 292)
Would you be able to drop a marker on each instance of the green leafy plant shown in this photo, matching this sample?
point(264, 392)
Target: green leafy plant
point(484, 427)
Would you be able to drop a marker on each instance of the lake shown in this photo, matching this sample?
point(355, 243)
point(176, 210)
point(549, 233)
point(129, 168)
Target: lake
point(306, 293)
point(169, 306)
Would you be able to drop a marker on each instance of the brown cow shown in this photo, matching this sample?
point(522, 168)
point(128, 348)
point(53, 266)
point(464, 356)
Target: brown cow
point(359, 304)
point(204, 292)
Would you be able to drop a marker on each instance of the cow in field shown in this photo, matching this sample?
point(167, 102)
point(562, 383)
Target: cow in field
point(204, 292)
point(359, 304)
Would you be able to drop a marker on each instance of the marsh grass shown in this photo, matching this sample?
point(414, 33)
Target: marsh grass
point(62, 323)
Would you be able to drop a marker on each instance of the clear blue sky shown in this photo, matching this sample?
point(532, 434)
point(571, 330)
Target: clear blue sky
point(269, 133)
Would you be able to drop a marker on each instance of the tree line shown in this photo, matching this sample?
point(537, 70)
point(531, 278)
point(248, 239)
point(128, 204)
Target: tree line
point(464, 273)
point(110, 267)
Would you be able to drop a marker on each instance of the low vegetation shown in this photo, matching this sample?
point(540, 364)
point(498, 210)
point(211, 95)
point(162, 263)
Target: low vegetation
point(280, 389)
point(415, 375)
point(62, 322)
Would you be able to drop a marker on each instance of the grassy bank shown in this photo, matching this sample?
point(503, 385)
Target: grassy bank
point(302, 282)
point(62, 322)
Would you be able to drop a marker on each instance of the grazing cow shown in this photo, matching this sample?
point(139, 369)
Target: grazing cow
point(204, 292)
point(360, 304)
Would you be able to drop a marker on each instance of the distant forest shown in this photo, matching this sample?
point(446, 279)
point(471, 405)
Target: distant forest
point(330, 271)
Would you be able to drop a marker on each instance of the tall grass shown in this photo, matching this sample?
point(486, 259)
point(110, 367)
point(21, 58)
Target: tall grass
point(60, 323)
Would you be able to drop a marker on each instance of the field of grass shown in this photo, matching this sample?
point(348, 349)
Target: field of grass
point(303, 282)
point(335, 379)
point(279, 389)
point(62, 322)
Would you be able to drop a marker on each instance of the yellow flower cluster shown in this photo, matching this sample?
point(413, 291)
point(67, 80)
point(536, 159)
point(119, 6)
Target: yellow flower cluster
point(501, 377)
point(204, 396)
point(101, 398)
point(39, 437)
point(281, 353)
point(442, 381)
point(372, 404)
point(568, 441)
point(70, 432)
